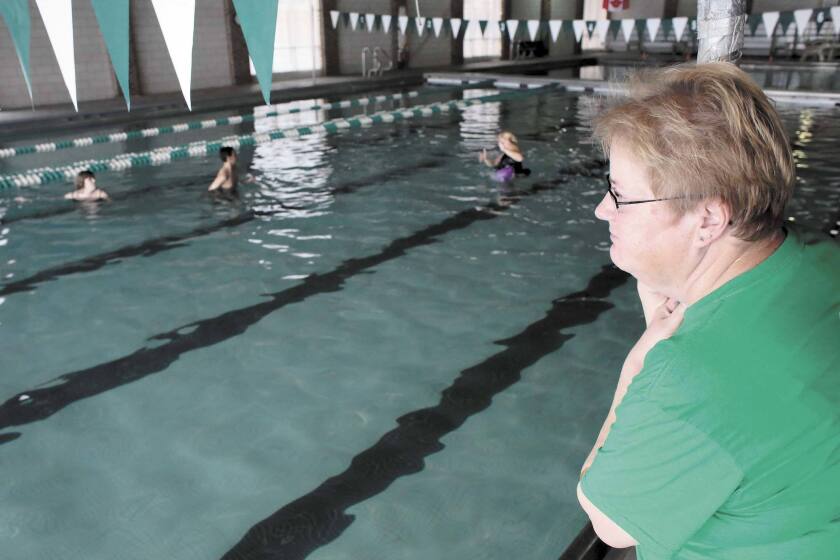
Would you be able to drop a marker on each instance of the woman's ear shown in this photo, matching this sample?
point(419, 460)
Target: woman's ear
point(714, 217)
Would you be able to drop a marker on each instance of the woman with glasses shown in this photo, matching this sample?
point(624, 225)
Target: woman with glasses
point(723, 439)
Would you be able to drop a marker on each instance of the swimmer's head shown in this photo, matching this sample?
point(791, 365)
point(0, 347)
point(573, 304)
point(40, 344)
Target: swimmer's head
point(226, 152)
point(507, 141)
point(82, 177)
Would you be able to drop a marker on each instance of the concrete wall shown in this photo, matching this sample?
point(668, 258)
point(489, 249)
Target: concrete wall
point(351, 42)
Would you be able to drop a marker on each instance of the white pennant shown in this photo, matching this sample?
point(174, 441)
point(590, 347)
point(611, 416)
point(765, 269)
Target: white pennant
point(370, 19)
point(835, 20)
point(492, 30)
point(58, 19)
point(402, 23)
point(386, 23)
point(770, 19)
point(533, 28)
point(627, 28)
point(554, 26)
point(354, 19)
point(455, 24)
point(601, 27)
point(679, 26)
point(334, 15)
point(512, 27)
point(177, 21)
point(653, 27)
point(419, 25)
point(802, 17)
point(437, 24)
point(579, 25)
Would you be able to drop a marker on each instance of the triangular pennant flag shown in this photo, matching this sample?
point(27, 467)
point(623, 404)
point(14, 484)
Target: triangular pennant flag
point(601, 27)
point(370, 21)
point(679, 27)
point(16, 15)
point(482, 24)
point(754, 21)
point(554, 27)
point(354, 20)
point(533, 28)
point(402, 23)
point(770, 19)
point(177, 21)
point(615, 27)
point(802, 18)
point(429, 25)
point(455, 25)
point(259, 25)
point(578, 25)
point(666, 27)
point(653, 27)
point(418, 24)
point(512, 28)
point(112, 16)
point(819, 17)
point(641, 24)
point(58, 19)
point(334, 17)
point(835, 19)
point(386, 23)
point(590, 27)
point(785, 20)
point(437, 24)
point(627, 28)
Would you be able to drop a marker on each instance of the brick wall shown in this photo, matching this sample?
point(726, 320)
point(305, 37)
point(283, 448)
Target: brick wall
point(95, 78)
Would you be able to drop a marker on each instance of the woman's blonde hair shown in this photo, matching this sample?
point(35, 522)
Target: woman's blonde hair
point(707, 131)
point(509, 136)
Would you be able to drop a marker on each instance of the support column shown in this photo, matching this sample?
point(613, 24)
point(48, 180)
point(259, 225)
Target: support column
point(329, 40)
point(135, 83)
point(456, 9)
point(506, 46)
point(239, 64)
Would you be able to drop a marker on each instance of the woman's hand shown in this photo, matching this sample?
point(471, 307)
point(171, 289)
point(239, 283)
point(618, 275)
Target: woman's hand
point(664, 321)
point(482, 157)
point(650, 298)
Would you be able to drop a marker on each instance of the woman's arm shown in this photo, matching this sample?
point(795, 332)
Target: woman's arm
point(665, 320)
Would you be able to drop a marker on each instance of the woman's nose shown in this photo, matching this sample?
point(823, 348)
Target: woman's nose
point(606, 208)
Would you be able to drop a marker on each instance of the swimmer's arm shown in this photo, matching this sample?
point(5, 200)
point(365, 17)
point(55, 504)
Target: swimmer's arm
point(220, 179)
point(69, 196)
point(103, 196)
point(248, 178)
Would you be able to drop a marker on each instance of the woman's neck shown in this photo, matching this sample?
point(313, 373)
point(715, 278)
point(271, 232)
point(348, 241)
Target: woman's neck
point(724, 260)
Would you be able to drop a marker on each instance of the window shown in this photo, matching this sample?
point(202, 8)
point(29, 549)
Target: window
point(477, 45)
point(297, 39)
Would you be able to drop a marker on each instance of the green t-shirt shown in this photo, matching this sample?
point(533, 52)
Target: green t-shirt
point(726, 445)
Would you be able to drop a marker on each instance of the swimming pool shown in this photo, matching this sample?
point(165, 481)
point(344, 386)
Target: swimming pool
point(375, 352)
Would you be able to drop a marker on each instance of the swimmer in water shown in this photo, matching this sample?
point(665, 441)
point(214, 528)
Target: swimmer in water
point(86, 190)
point(509, 163)
point(226, 179)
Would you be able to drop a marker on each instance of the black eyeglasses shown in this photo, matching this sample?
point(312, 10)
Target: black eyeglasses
point(626, 202)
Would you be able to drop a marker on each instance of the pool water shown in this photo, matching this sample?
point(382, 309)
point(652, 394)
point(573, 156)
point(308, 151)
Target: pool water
point(375, 351)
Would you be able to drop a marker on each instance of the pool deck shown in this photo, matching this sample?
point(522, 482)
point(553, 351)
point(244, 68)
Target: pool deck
point(19, 123)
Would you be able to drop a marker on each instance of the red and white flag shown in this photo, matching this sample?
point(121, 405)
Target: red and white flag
point(616, 5)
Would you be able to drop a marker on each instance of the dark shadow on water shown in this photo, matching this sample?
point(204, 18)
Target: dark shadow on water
point(299, 528)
